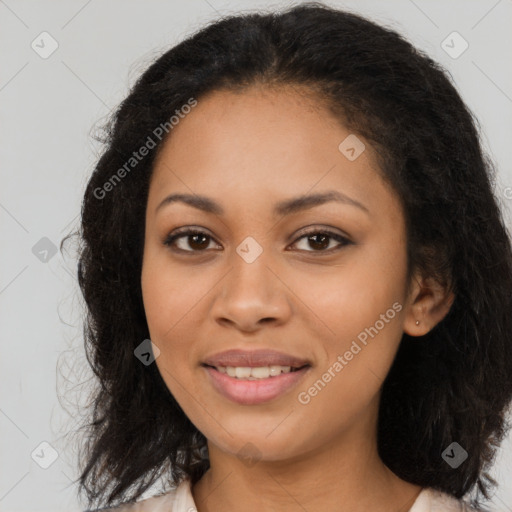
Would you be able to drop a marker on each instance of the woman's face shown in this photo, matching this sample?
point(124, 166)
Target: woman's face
point(253, 282)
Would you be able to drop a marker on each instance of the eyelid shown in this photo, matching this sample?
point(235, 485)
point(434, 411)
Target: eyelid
point(315, 228)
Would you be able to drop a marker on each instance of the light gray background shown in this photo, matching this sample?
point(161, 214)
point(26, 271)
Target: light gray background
point(49, 107)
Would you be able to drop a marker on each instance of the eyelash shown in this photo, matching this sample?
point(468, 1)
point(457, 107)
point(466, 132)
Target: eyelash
point(171, 238)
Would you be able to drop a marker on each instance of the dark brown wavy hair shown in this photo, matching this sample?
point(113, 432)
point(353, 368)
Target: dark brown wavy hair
point(452, 384)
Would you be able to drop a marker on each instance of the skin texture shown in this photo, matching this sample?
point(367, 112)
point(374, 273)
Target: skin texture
point(248, 151)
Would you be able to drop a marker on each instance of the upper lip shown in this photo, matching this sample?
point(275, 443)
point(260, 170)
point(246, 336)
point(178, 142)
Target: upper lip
point(254, 359)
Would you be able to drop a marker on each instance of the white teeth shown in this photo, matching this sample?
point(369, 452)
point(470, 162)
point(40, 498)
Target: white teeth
point(242, 372)
point(261, 372)
point(276, 370)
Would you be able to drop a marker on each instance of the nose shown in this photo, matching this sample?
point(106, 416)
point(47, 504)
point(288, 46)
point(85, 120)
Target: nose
point(251, 296)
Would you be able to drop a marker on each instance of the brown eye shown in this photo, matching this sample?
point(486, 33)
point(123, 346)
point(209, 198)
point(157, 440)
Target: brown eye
point(320, 241)
point(196, 240)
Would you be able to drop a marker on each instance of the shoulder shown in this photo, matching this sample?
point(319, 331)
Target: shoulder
point(177, 500)
point(432, 500)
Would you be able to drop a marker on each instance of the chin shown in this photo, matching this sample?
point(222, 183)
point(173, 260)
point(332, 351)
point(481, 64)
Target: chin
point(256, 445)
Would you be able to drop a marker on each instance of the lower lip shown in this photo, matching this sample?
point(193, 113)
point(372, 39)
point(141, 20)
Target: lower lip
point(253, 392)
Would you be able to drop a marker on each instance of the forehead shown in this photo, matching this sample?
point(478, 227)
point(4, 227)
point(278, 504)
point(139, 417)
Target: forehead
point(269, 142)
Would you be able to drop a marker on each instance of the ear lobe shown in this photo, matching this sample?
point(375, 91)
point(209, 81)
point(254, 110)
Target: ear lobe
point(429, 303)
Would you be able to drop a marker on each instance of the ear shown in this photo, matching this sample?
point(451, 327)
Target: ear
point(428, 303)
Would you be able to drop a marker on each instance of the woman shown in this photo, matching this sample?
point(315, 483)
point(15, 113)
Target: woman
point(297, 278)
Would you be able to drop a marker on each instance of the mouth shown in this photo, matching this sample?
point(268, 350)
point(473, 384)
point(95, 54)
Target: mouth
point(251, 377)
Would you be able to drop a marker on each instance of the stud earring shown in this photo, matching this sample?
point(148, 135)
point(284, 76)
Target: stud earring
point(417, 322)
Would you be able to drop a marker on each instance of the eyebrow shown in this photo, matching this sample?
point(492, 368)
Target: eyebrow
point(285, 207)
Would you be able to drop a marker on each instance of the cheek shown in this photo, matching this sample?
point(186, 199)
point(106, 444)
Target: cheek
point(168, 295)
point(177, 364)
point(173, 298)
point(351, 298)
point(360, 308)
point(168, 302)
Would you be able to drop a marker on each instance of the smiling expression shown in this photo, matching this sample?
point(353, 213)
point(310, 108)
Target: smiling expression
point(295, 249)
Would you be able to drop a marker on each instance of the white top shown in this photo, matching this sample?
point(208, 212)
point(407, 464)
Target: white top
point(181, 500)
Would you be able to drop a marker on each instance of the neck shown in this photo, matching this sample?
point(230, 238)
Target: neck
point(343, 475)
